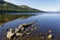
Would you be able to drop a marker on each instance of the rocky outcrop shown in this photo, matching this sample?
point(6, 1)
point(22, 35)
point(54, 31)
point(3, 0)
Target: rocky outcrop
point(23, 29)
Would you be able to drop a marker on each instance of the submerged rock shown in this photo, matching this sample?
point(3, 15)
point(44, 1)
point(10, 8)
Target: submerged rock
point(19, 34)
point(10, 33)
point(21, 30)
point(49, 36)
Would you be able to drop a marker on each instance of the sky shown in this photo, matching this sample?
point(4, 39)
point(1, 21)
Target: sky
point(46, 5)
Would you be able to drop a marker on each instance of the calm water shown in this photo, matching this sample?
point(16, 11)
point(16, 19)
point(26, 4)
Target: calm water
point(46, 21)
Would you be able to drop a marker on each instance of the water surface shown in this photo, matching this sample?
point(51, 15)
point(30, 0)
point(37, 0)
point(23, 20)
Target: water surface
point(46, 21)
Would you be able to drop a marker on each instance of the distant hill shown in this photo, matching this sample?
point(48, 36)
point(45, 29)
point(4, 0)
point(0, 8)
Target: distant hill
point(9, 7)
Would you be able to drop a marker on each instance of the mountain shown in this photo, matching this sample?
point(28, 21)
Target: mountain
point(9, 7)
point(29, 9)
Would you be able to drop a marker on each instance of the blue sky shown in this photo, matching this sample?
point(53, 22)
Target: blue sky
point(47, 5)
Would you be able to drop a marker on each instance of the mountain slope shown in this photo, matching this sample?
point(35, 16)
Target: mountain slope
point(29, 9)
point(9, 7)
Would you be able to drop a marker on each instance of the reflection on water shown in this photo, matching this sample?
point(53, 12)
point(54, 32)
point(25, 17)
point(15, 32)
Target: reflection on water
point(9, 17)
point(50, 21)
